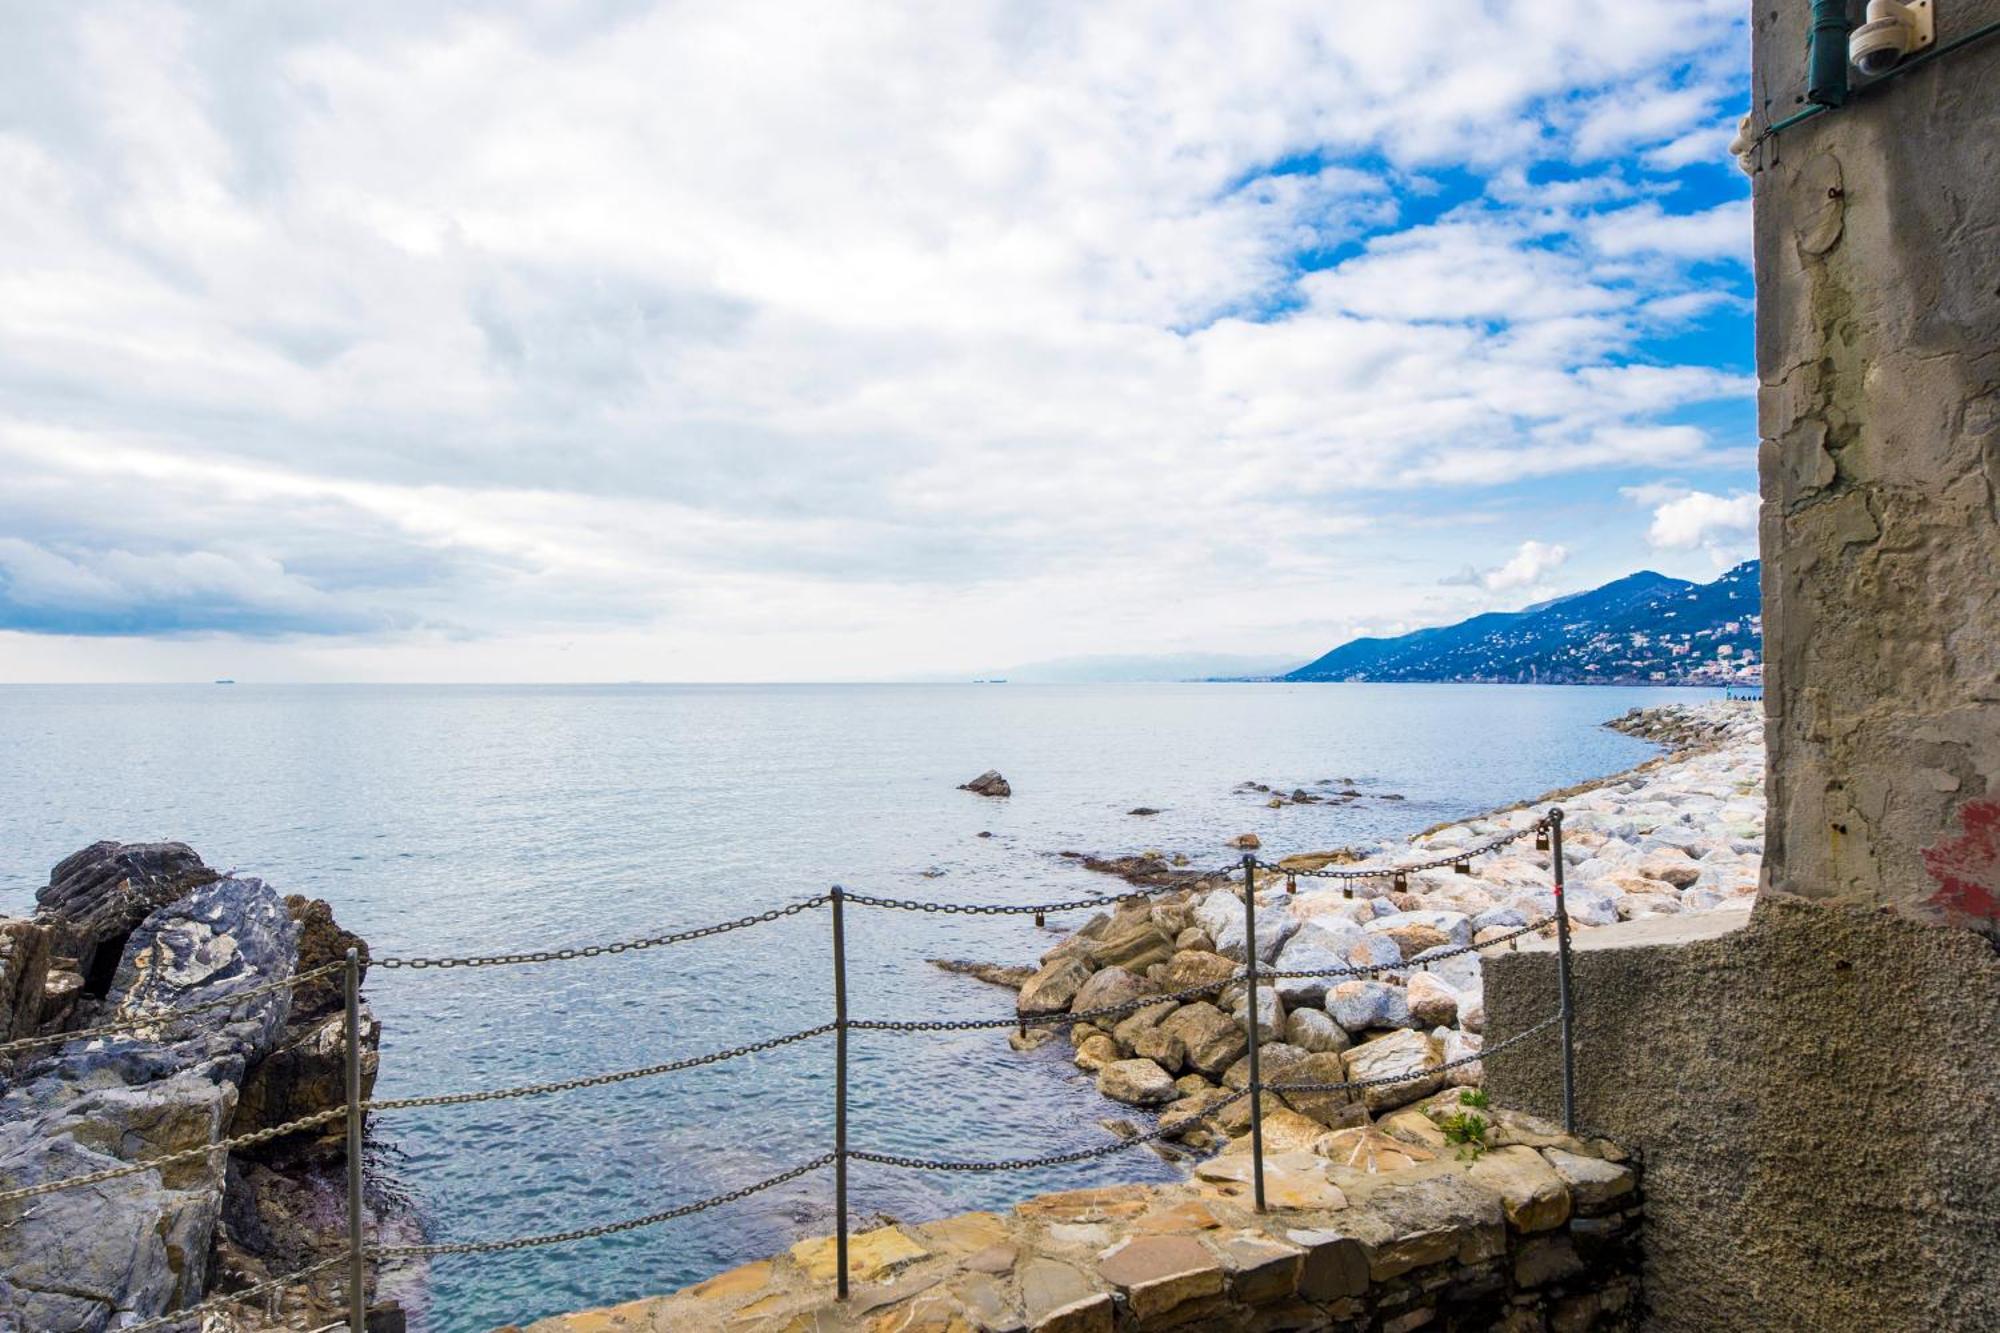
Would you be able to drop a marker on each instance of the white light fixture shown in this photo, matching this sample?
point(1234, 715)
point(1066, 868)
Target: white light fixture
point(1893, 30)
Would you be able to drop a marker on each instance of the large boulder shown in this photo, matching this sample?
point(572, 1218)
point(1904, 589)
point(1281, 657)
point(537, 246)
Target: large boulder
point(1311, 1030)
point(1194, 968)
point(87, 1260)
point(1360, 1006)
point(1217, 909)
point(1137, 1083)
point(1051, 990)
point(1400, 1055)
point(1220, 916)
point(1214, 1041)
point(1270, 1014)
point(1272, 1061)
point(1432, 1002)
point(1436, 928)
point(1141, 1019)
point(1320, 944)
point(1163, 1048)
point(95, 898)
point(1109, 987)
point(1333, 1109)
point(1132, 941)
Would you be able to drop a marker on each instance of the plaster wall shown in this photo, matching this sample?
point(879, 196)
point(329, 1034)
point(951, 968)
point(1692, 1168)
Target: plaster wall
point(1878, 354)
point(1813, 1095)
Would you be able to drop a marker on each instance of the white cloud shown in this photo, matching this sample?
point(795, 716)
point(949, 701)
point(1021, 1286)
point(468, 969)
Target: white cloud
point(1528, 567)
point(1723, 526)
point(1722, 232)
point(714, 324)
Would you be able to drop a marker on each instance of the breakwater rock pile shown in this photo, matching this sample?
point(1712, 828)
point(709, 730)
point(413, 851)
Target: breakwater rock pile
point(1537, 1230)
point(138, 935)
point(1681, 833)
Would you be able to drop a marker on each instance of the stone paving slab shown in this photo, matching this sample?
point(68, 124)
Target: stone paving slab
point(1423, 1235)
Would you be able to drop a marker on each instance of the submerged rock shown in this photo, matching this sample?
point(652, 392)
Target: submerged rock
point(989, 783)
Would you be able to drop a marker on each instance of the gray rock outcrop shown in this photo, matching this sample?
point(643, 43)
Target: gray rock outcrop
point(89, 1259)
point(24, 974)
point(97, 897)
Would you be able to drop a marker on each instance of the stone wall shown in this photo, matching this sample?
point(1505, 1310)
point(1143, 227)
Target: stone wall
point(1539, 1233)
point(1812, 1089)
point(1878, 354)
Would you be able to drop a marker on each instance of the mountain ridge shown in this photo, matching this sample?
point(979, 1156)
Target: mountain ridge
point(1644, 628)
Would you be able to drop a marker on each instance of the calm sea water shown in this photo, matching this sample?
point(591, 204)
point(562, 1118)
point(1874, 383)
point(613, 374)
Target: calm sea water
point(448, 820)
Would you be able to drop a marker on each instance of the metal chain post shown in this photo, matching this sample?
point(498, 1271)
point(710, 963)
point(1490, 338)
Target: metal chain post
point(357, 1278)
point(837, 897)
point(1562, 971)
point(1250, 978)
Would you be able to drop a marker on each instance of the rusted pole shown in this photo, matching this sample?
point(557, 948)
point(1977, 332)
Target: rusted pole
point(1256, 1078)
point(357, 1275)
point(839, 1093)
point(1562, 971)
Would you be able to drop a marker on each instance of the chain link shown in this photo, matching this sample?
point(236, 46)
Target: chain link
point(1138, 895)
point(1390, 872)
point(607, 1229)
point(1054, 1159)
point(1049, 1020)
point(1416, 964)
point(171, 1159)
point(1387, 1080)
point(595, 1080)
point(216, 1303)
point(599, 950)
point(141, 1022)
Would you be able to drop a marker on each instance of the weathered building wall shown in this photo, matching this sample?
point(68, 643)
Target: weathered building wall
point(1811, 1094)
point(1878, 354)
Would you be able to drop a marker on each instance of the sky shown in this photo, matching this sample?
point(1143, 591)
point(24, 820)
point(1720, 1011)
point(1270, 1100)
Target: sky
point(585, 341)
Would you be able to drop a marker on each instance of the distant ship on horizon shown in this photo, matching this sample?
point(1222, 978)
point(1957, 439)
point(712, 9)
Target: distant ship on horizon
point(225, 681)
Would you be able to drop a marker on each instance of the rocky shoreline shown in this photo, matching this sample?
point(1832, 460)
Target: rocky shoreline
point(131, 931)
point(1680, 833)
point(1404, 1205)
point(146, 930)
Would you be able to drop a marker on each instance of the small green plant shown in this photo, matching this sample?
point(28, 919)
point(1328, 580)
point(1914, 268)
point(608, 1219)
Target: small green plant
point(1465, 1130)
point(1475, 1097)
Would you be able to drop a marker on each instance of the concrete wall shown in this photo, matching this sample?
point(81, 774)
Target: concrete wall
point(1816, 1099)
point(1878, 354)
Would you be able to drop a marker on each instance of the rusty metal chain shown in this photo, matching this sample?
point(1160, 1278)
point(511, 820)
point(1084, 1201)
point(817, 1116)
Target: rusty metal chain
point(170, 1159)
point(162, 1017)
point(607, 1229)
point(1138, 895)
point(219, 1302)
point(1053, 1159)
point(1386, 1080)
point(1416, 964)
point(595, 1080)
point(1049, 1020)
point(599, 950)
point(1390, 872)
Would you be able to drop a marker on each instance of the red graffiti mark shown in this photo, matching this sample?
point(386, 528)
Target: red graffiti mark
point(1968, 866)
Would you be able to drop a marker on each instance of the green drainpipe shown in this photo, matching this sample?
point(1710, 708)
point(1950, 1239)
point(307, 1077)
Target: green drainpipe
point(1826, 80)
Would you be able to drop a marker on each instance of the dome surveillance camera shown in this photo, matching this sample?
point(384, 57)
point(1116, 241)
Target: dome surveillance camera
point(1893, 30)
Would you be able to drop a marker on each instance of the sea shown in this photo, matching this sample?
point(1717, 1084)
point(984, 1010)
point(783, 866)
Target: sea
point(463, 820)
